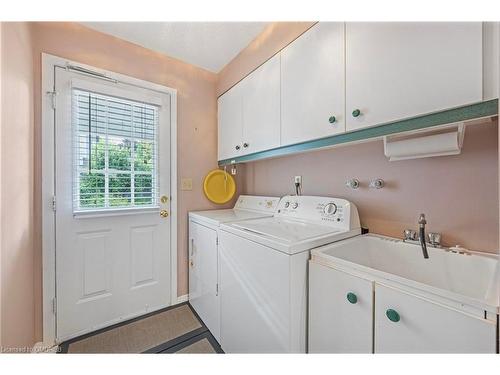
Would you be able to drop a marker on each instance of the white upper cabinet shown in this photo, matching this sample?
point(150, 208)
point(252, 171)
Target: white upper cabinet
point(249, 113)
point(401, 70)
point(230, 124)
point(312, 84)
point(261, 108)
point(339, 77)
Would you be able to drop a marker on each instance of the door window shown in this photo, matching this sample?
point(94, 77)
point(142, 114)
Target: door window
point(115, 152)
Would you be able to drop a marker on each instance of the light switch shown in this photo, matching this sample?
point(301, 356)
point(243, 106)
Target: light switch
point(186, 184)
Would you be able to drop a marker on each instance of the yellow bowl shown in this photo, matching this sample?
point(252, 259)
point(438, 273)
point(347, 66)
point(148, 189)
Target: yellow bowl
point(219, 186)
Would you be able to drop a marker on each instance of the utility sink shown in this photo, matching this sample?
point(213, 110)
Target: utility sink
point(473, 276)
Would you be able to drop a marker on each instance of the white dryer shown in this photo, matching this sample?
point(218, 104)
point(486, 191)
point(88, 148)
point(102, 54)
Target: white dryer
point(203, 252)
point(263, 272)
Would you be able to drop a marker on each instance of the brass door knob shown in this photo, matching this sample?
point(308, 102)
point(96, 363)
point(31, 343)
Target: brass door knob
point(164, 213)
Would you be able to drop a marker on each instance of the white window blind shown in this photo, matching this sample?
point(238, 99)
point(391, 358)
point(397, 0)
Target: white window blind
point(115, 152)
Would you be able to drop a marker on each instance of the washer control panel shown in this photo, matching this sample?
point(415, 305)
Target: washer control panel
point(325, 210)
point(330, 209)
point(257, 203)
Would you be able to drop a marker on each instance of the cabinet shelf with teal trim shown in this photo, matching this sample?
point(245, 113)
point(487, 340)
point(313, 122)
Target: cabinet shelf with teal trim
point(465, 113)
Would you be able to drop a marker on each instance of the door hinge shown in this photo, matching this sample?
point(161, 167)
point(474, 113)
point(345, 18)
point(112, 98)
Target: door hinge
point(53, 95)
point(217, 240)
point(54, 203)
point(217, 289)
point(54, 306)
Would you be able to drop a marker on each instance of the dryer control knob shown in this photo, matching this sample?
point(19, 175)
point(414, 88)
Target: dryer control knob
point(287, 204)
point(330, 209)
point(295, 205)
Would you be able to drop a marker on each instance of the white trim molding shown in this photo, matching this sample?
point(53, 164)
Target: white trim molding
point(49, 64)
point(183, 298)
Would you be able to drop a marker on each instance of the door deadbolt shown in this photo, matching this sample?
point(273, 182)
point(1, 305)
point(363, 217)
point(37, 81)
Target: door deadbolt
point(164, 199)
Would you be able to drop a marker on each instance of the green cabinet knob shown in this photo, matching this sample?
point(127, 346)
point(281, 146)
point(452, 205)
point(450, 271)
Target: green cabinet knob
point(393, 315)
point(352, 298)
point(332, 119)
point(356, 113)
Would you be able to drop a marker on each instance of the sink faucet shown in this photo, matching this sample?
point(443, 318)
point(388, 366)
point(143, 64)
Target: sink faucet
point(421, 225)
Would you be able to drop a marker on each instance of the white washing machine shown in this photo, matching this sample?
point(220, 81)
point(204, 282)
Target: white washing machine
point(203, 252)
point(263, 272)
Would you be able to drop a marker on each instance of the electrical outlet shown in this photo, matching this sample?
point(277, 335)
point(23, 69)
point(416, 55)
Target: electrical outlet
point(186, 184)
point(297, 180)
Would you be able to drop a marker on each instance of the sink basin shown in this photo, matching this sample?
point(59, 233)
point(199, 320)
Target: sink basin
point(474, 276)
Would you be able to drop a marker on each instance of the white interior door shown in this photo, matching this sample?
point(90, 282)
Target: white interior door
point(112, 160)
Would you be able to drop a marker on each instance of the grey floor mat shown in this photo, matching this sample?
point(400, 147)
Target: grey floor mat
point(172, 326)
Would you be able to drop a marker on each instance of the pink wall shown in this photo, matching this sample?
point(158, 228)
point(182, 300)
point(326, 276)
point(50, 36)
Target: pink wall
point(17, 227)
point(444, 187)
point(196, 116)
point(459, 194)
point(270, 41)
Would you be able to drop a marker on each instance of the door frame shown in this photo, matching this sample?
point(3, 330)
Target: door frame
point(49, 65)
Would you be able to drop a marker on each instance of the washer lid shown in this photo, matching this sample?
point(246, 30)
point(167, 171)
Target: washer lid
point(286, 235)
point(247, 207)
point(286, 230)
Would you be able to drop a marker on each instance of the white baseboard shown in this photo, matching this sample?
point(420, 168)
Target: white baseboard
point(183, 298)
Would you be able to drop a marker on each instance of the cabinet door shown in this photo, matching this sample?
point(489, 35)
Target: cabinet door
point(261, 107)
point(313, 84)
point(340, 312)
point(230, 124)
point(422, 326)
point(401, 70)
point(203, 275)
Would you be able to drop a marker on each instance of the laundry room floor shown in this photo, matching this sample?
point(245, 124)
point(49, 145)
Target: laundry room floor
point(176, 329)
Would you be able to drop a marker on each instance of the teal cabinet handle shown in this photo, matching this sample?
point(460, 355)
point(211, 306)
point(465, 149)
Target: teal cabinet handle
point(356, 113)
point(393, 315)
point(352, 298)
point(332, 119)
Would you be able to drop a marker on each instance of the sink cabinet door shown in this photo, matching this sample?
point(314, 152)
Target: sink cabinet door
point(421, 326)
point(337, 325)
